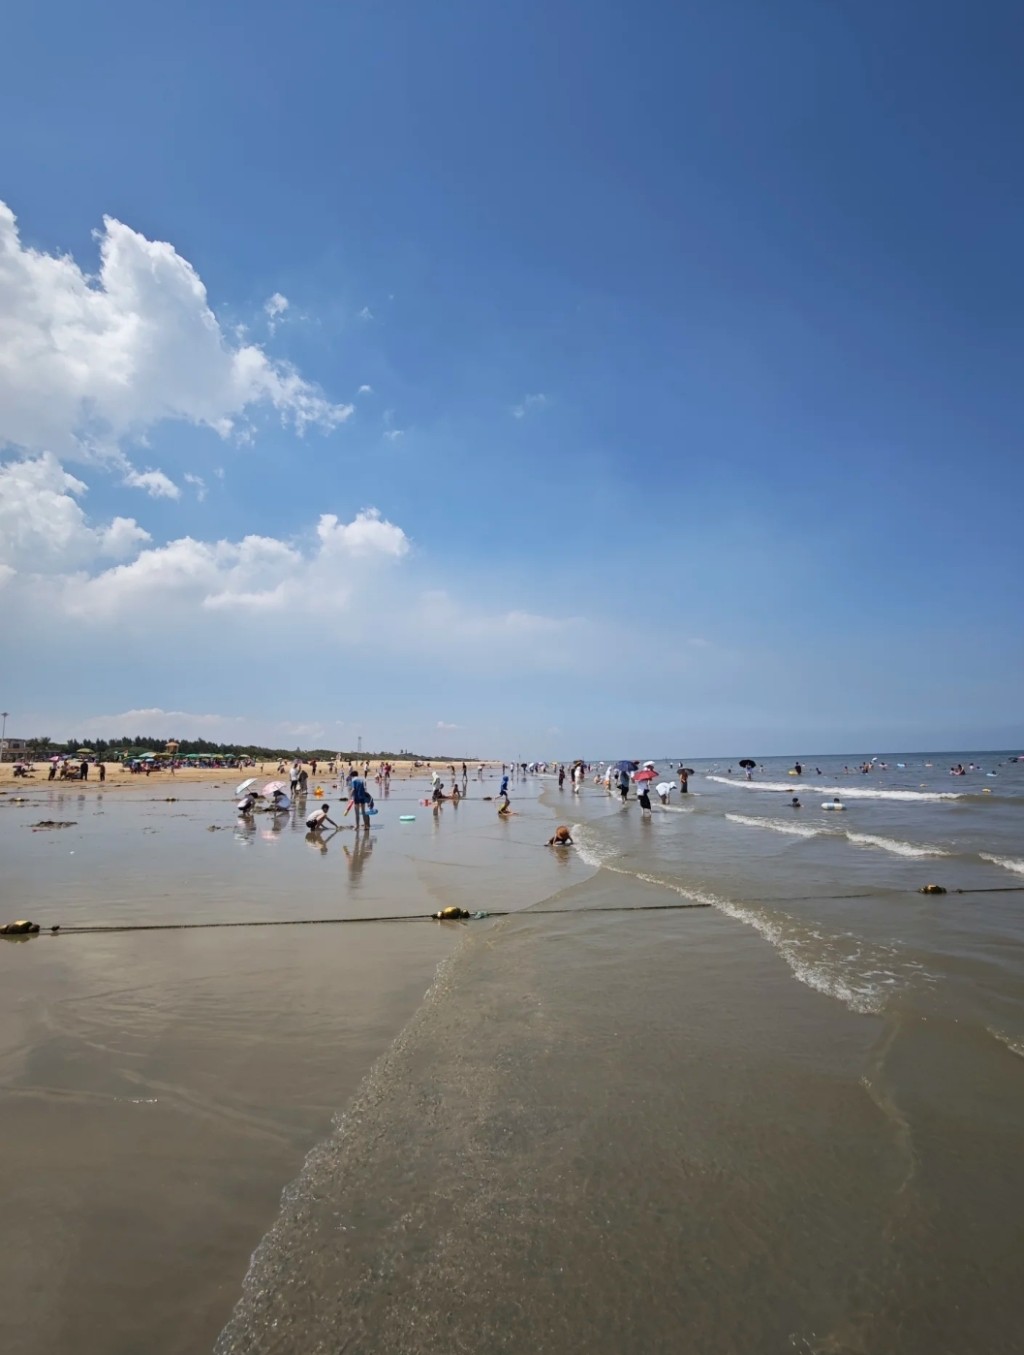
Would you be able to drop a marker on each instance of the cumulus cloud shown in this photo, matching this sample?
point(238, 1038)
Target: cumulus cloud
point(344, 585)
point(365, 390)
point(44, 530)
point(156, 484)
point(87, 361)
point(529, 404)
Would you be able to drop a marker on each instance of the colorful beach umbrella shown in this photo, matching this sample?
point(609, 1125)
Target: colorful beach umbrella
point(271, 786)
point(646, 776)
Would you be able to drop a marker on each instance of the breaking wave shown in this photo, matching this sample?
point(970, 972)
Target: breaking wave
point(844, 792)
point(1007, 862)
point(894, 845)
point(778, 825)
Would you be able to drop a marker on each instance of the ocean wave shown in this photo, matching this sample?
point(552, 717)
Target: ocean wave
point(844, 792)
point(840, 967)
point(817, 961)
point(1007, 862)
point(778, 825)
point(1014, 1046)
point(587, 849)
point(888, 844)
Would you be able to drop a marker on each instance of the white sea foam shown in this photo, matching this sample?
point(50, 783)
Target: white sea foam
point(845, 792)
point(815, 959)
point(587, 849)
point(888, 844)
point(1014, 1046)
point(778, 825)
point(1007, 862)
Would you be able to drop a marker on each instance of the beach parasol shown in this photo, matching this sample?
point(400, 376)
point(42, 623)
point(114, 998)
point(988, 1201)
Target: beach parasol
point(646, 776)
point(240, 790)
point(84, 752)
point(271, 786)
point(747, 762)
point(625, 765)
point(686, 771)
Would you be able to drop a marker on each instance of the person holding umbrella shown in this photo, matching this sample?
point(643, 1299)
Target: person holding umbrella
point(748, 764)
point(643, 782)
point(684, 774)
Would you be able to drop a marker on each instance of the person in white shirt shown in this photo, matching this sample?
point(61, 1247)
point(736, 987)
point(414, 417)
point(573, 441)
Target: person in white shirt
point(318, 818)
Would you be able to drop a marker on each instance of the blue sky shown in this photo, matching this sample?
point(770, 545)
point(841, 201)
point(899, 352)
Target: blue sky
point(693, 338)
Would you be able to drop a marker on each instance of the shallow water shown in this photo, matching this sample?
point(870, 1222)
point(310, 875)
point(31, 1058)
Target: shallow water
point(787, 1121)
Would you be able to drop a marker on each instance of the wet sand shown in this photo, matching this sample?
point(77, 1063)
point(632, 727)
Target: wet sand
point(788, 1122)
point(159, 1090)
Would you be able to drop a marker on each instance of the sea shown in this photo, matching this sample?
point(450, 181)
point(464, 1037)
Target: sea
point(717, 1080)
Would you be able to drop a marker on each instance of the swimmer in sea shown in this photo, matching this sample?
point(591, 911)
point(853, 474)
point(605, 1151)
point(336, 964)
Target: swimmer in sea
point(795, 803)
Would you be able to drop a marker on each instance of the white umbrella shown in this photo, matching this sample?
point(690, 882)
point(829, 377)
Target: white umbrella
point(240, 790)
point(271, 786)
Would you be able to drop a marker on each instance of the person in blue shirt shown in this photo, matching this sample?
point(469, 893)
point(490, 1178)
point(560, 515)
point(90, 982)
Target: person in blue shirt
point(504, 786)
point(362, 802)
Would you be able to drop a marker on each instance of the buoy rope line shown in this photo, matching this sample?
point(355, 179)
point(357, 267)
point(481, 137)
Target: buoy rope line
point(341, 921)
point(466, 916)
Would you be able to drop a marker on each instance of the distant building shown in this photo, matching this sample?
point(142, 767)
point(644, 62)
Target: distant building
point(13, 749)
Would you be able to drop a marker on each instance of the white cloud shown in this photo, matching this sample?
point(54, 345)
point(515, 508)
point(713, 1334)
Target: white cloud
point(341, 586)
point(365, 390)
point(87, 361)
point(198, 484)
point(367, 534)
point(443, 724)
point(529, 404)
point(156, 484)
point(366, 313)
point(164, 724)
point(274, 308)
point(393, 434)
point(43, 529)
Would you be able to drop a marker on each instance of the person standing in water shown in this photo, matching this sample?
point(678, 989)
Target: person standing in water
point(362, 802)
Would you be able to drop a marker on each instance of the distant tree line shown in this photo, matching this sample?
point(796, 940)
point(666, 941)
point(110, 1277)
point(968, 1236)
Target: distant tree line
point(139, 743)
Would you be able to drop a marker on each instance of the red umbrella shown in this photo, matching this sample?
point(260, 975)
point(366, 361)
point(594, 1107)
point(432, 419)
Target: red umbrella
point(646, 776)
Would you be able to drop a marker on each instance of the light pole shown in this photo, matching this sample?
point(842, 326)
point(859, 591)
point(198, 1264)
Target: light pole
point(3, 734)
